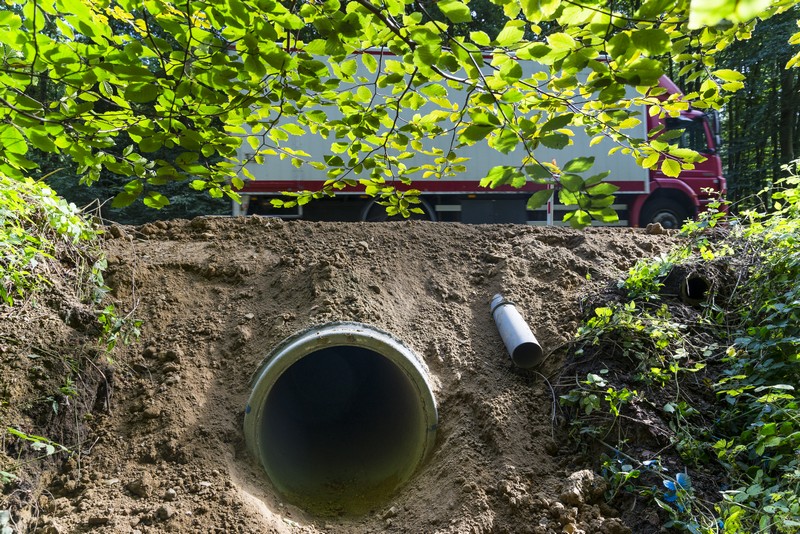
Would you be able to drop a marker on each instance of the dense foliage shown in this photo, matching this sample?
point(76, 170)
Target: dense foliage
point(112, 85)
point(694, 373)
point(39, 230)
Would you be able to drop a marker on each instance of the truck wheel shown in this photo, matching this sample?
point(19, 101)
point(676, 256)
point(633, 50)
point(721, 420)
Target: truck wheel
point(374, 212)
point(668, 212)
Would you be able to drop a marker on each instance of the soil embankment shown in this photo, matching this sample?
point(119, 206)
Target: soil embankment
point(216, 295)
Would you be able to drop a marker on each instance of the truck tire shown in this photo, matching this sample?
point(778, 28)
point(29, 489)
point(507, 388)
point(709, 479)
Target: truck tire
point(374, 212)
point(668, 212)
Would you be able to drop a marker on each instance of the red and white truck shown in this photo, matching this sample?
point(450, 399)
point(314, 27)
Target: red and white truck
point(644, 195)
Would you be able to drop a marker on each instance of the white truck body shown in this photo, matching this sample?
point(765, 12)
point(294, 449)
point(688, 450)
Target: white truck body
point(450, 194)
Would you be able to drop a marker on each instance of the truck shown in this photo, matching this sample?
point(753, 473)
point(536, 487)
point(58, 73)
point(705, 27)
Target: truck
point(644, 196)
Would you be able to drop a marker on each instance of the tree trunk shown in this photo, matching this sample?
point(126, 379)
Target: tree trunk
point(788, 114)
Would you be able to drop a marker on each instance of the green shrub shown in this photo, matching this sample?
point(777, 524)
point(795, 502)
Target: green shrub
point(37, 229)
point(719, 378)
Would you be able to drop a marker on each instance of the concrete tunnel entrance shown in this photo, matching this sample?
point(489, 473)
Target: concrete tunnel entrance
point(340, 416)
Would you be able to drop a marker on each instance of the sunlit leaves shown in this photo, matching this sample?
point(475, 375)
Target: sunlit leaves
point(556, 140)
point(711, 12)
point(653, 41)
point(733, 80)
point(539, 199)
point(671, 168)
point(11, 140)
point(511, 34)
point(41, 141)
point(480, 38)
point(503, 175)
point(579, 164)
point(155, 200)
point(557, 122)
point(454, 10)
point(201, 79)
point(141, 92)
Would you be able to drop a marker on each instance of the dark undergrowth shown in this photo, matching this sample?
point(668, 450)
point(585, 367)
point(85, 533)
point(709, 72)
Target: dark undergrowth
point(684, 379)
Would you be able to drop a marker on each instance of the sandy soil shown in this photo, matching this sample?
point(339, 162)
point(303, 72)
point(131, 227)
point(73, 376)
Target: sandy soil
point(158, 429)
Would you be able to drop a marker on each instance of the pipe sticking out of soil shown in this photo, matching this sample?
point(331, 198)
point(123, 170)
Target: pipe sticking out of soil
point(520, 342)
point(339, 417)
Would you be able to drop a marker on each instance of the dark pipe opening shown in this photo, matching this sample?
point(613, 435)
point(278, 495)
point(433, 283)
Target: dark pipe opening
point(340, 417)
point(337, 426)
point(694, 289)
point(527, 355)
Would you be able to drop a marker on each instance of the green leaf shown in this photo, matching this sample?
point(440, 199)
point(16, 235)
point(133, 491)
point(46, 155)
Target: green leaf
point(511, 71)
point(25, 102)
point(11, 140)
point(643, 71)
point(555, 140)
point(41, 141)
point(671, 168)
point(653, 41)
point(538, 172)
point(534, 51)
point(578, 219)
point(539, 199)
point(711, 12)
point(557, 122)
point(605, 215)
point(568, 198)
point(149, 144)
point(255, 66)
point(602, 189)
point(512, 33)
point(650, 160)
point(480, 38)
point(561, 42)
point(619, 45)
point(596, 202)
point(350, 26)
point(612, 94)
point(475, 132)
point(501, 175)
point(425, 56)
point(123, 199)
point(506, 141)
point(596, 178)
point(455, 11)
point(369, 62)
point(571, 182)
point(728, 75)
point(155, 200)
point(141, 92)
point(579, 164)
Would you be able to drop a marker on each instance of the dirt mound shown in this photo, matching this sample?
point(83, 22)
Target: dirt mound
point(163, 449)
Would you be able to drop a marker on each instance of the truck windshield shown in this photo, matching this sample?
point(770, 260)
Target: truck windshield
point(693, 134)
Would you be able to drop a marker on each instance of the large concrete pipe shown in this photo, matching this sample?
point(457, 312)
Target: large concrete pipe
point(340, 416)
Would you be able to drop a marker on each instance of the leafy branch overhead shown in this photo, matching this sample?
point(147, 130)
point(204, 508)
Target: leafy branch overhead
point(205, 77)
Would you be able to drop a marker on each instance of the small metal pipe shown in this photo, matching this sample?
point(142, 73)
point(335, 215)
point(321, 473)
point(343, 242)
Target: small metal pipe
point(520, 342)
